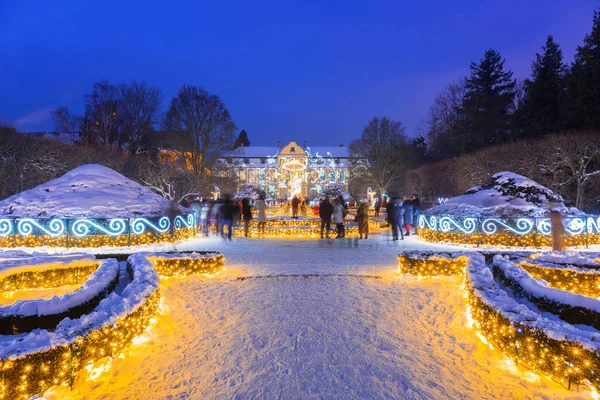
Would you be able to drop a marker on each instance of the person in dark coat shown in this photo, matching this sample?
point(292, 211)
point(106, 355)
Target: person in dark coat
point(228, 213)
point(416, 203)
point(295, 204)
point(377, 207)
point(391, 217)
point(408, 214)
point(246, 215)
point(399, 219)
point(325, 211)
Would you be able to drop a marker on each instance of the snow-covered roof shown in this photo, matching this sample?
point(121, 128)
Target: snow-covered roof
point(268, 151)
point(506, 195)
point(89, 191)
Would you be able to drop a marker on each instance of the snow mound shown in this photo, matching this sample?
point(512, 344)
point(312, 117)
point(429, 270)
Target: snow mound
point(89, 191)
point(507, 195)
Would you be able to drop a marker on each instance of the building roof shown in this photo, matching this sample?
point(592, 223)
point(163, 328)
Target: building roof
point(272, 151)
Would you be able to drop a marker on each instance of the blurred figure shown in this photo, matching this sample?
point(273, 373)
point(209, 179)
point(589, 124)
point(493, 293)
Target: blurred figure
point(204, 213)
point(338, 218)
point(215, 215)
point(325, 212)
point(377, 207)
point(408, 214)
point(362, 217)
point(246, 215)
point(558, 231)
point(228, 213)
point(416, 204)
point(261, 206)
point(295, 204)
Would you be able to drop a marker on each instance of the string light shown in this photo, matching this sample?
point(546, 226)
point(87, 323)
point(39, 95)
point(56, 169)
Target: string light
point(520, 232)
point(34, 373)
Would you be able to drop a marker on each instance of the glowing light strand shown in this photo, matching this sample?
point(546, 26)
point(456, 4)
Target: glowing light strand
point(6, 227)
point(81, 227)
point(138, 226)
point(523, 226)
point(447, 224)
point(55, 227)
point(180, 221)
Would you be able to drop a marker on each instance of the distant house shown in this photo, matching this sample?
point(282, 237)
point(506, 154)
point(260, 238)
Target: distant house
point(285, 171)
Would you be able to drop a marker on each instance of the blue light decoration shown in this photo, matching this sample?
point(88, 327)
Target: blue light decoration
point(138, 226)
point(6, 227)
point(88, 227)
point(181, 222)
point(519, 226)
point(26, 226)
point(116, 227)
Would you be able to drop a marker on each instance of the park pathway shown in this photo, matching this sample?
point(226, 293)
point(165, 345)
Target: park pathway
point(315, 319)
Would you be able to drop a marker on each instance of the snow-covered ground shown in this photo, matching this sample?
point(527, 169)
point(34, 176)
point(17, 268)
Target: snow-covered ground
point(316, 319)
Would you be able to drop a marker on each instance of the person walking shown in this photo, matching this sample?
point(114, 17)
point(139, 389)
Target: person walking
point(400, 215)
point(391, 217)
point(246, 215)
point(338, 218)
point(295, 204)
point(228, 213)
point(408, 214)
point(325, 212)
point(362, 217)
point(377, 207)
point(261, 206)
point(416, 204)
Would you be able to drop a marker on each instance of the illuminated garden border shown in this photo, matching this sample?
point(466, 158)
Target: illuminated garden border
point(94, 232)
point(518, 232)
point(556, 349)
point(57, 356)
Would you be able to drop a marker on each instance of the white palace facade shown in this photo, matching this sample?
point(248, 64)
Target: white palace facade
point(285, 171)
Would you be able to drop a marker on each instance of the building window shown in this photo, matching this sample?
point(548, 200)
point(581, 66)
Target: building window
point(246, 161)
point(262, 160)
point(337, 160)
point(343, 176)
point(332, 177)
point(323, 176)
point(292, 149)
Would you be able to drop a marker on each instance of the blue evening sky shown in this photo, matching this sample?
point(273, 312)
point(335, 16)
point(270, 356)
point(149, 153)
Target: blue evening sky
point(306, 70)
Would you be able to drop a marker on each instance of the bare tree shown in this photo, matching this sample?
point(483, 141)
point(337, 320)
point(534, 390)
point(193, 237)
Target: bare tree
point(138, 111)
point(101, 113)
point(579, 157)
point(200, 129)
point(66, 122)
point(384, 144)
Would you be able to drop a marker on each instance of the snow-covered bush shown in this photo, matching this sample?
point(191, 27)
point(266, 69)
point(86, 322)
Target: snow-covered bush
point(333, 190)
point(251, 192)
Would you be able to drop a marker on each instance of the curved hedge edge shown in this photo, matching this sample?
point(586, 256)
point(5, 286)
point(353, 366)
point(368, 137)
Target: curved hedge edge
point(184, 264)
point(428, 263)
point(569, 278)
point(54, 358)
point(572, 308)
point(556, 349)
point(16, 323)
point(38, 276)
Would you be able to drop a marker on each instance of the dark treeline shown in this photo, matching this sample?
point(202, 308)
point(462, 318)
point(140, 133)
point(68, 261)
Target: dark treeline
point(490, 107)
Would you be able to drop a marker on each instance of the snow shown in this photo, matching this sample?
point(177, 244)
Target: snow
point(114, 306)
point(98, 281)
point(314, 326)
point(506, 195)
point(539, 288)
point(490, 292)
point(89, 191)
point(568, 257)
point(14, 262)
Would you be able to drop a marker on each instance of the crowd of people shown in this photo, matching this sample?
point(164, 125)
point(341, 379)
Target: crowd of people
point(402, 215)
point(224, 213)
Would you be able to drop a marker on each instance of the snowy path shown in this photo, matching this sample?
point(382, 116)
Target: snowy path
point(312, 337)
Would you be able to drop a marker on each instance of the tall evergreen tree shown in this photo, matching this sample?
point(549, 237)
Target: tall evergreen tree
point(540, 109)
point(582, 106)
point(490, 92)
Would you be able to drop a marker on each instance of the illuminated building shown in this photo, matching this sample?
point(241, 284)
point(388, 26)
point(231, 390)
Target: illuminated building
point(285, 171)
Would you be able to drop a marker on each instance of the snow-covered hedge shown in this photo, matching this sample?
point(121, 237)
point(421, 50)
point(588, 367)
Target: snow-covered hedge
point(423, 263)
point(33, 362)
point(26, 315)
point(251, 192)
point(553, 347)
point(333, 190)
point(183, 264)
point(570, 307)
